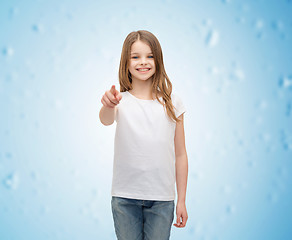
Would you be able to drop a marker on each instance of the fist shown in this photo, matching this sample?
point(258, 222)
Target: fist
point(111, 98)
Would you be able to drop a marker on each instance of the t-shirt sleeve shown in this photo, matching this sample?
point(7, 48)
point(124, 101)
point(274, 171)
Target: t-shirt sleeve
point(179, 106)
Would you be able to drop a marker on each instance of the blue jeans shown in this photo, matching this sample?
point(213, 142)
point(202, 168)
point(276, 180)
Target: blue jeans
point(142, 219)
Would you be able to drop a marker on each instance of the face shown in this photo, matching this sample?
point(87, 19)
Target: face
point(141, 65)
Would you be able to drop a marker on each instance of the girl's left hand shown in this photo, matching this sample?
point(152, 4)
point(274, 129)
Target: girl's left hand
point(181, 215)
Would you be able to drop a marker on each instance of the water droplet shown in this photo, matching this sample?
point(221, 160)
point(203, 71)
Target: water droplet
point(240, 20)
point(13, 11)
point(230, 209)
point(6, 132)
point(8, 51)
point(258, 120)
point(214, 70)
point(237, 75)
point(34, 175)
point(251, 163)
point(259, 24)
point(22, 115)
point(286, 82)
point(226, 1)
point(69, 16)
point(262, 104)
point(94, 192)
point(12, 77)
point(286, 140)
point(8, 155)
point(37, 124)
point(273, 197)
point(39, 28)
point(207, 22)
point(240, 142)
point(277, 25)
point(266, 137)
point(11, 181)
point(243, 185)
point(212, 38)
point(288, 109)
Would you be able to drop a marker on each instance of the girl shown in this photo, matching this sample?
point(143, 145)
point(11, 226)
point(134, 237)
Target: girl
point(149, 149)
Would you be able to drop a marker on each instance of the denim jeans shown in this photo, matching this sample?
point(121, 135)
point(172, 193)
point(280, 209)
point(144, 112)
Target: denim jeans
point(142, 219)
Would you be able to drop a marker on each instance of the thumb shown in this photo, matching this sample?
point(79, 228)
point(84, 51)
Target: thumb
point(178, 220)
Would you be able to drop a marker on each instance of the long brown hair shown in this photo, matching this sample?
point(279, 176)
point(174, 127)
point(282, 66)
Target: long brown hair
point(160, 81)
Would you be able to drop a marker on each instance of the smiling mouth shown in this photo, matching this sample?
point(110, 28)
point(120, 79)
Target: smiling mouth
point(143, 69)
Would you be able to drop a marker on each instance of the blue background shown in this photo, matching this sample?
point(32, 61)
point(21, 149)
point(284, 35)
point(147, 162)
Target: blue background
point(231, 63)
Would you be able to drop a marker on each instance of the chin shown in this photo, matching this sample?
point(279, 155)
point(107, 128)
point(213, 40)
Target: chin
point(144, 78)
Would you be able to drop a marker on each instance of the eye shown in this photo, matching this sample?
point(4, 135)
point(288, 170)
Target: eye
point(137, 57)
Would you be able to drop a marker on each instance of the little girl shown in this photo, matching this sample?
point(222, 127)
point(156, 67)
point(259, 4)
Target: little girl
point(149, 150)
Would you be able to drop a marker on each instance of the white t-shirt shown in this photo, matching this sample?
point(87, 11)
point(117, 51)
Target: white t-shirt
point(144, 157)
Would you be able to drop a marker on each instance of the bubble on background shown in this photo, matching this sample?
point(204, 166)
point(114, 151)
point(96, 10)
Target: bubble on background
point(230, 61)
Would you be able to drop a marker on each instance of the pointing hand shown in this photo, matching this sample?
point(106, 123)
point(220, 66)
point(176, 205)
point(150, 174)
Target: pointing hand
point(111, 98)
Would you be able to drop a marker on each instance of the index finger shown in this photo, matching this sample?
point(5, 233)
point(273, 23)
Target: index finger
point(113, 89)
point(111, 97)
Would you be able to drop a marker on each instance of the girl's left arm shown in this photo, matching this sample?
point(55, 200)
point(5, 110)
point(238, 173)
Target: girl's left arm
point(181, 170)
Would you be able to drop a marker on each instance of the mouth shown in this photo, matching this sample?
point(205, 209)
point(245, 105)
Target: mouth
point(143, 69)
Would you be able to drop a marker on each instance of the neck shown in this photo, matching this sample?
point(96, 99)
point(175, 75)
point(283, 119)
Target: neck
point(142, 88)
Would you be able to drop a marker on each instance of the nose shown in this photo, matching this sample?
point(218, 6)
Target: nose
point(143, 60)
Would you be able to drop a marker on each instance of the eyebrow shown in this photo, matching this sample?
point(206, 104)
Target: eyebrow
point(138, 53)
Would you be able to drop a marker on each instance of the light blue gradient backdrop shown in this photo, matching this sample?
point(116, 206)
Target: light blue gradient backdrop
point(231, 63)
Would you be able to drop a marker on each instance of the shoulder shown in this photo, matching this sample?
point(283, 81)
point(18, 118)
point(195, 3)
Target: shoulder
point(124, 94)
point(178, 104)
point(176, 98)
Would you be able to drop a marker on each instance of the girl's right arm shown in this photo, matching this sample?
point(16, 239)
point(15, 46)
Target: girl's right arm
point(108, 111)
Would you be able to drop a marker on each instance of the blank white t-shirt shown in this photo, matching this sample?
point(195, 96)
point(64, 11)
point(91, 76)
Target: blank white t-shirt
point(144, 156)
